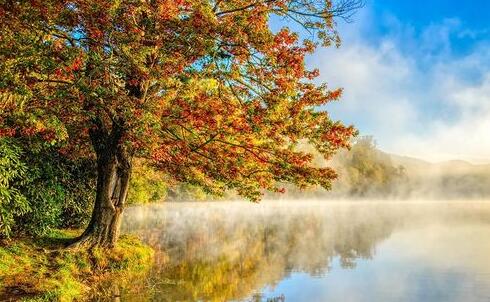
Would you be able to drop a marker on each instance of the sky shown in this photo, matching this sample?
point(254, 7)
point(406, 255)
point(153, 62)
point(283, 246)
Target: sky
point(416, 76)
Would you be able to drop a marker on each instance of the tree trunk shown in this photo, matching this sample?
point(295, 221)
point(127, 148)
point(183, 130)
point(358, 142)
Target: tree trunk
point(113, 174)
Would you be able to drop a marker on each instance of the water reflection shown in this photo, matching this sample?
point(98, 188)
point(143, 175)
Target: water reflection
point(278, 252)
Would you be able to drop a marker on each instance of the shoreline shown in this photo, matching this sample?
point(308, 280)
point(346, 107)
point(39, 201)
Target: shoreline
point(40, 270)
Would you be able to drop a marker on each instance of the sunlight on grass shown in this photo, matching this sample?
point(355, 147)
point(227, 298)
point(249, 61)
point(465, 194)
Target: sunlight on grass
point(43, 272)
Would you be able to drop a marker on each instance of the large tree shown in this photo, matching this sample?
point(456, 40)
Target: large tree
point(202, 89)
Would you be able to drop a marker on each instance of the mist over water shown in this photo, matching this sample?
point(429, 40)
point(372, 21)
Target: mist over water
point(313, 251)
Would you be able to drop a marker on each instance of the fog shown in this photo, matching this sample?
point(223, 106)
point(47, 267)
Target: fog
point(239, 251)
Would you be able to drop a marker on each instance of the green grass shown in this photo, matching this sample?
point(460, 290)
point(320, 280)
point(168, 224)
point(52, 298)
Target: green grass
point(41, 271)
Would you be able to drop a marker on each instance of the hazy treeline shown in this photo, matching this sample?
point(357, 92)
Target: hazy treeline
point(446, 180)
point(365, 172)
point(390, 176)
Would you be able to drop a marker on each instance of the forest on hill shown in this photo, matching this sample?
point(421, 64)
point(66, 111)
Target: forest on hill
point(367, 172)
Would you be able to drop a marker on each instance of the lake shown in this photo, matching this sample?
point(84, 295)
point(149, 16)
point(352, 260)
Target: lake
point(312, 251)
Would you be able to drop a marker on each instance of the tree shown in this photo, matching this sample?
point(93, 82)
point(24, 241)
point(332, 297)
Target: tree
point(203, 89)
point(366, 171)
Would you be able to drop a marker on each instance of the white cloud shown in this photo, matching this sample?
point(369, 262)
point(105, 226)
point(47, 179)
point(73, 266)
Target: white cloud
point(468, 137)
point(411, 92)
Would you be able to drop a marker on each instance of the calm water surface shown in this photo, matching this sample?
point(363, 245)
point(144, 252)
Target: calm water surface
point(313, 251)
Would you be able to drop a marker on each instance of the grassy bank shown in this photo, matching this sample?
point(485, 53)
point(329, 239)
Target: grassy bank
point(32, 271)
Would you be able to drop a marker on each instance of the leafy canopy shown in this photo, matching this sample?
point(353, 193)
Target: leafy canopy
point(203, 89)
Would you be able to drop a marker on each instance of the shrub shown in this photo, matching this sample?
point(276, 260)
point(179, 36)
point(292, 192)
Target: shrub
point(13, 175)
point(41, 190)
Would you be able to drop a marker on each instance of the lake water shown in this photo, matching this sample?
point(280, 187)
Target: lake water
point(313, 251)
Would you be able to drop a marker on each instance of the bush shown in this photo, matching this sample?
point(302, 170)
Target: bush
point(41, 190)
point(60, 192)
point(13, 175)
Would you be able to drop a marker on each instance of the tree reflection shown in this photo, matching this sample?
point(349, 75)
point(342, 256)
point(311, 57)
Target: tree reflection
point(230, 253)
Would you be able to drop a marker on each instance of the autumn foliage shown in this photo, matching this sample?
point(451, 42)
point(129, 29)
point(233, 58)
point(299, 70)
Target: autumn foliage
point(204, 90)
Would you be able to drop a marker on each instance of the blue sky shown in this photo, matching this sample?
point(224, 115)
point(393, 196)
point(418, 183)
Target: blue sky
point(416, 76)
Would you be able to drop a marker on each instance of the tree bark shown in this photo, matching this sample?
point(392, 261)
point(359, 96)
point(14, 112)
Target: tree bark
point(113, 175)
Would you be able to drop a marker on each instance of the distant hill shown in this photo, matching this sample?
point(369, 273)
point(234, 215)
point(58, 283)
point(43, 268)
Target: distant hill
point(365, 172)
point(455, 179)
point(417, 166)
point(413, 165)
